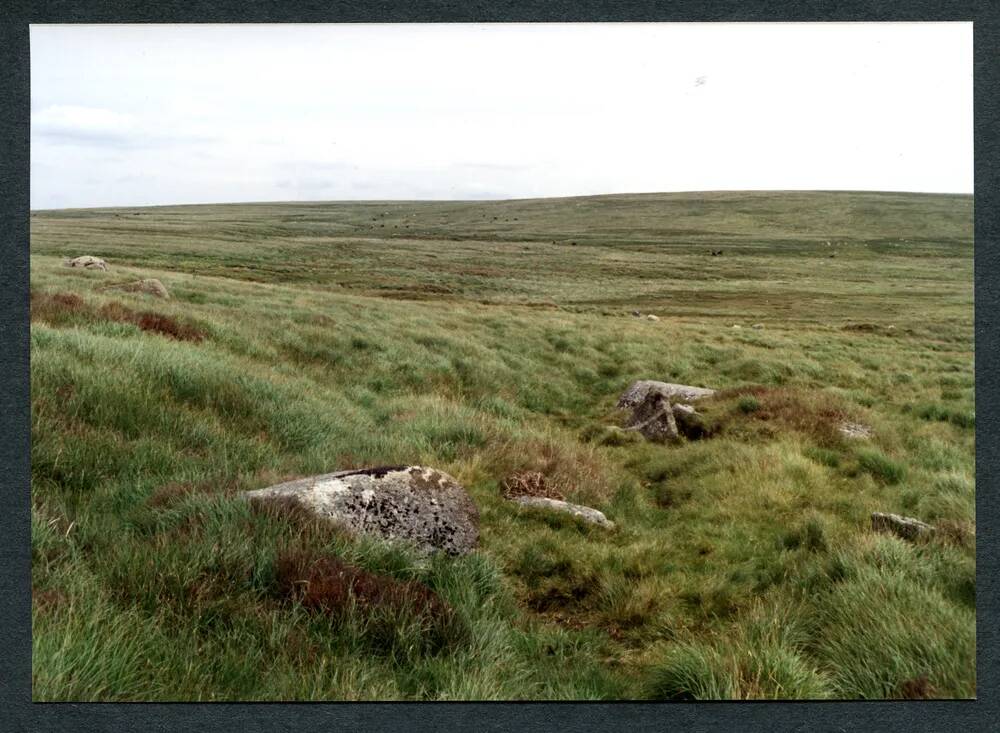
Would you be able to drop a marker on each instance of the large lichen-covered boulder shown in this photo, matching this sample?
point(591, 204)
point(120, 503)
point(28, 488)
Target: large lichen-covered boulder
point(87, 262)
point(587, 514)
point(410, 503)
point(637, 392)
point(654, 418)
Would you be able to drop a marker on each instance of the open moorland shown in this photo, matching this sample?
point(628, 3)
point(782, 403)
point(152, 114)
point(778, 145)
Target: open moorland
point(490, 340)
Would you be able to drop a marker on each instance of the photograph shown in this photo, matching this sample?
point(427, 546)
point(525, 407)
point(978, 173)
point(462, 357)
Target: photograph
point(508, 362)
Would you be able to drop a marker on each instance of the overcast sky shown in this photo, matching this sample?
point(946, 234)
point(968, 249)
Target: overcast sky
point(132, 115)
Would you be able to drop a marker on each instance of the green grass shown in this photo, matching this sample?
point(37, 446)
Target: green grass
point(475, 337)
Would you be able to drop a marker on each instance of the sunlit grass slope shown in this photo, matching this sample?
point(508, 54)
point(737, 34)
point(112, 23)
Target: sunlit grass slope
point(485, 338)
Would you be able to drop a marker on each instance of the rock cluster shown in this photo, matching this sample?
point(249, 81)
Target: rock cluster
point(637, 392)
point(655, 418)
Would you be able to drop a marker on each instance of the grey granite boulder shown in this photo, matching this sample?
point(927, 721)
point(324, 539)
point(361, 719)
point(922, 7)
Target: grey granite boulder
point(577, 510)
point(654, 418)
point(637, 392)
point(904, 527)
point(411, 503)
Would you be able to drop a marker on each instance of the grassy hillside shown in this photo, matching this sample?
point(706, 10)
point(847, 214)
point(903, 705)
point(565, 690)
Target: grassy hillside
point(484, 338)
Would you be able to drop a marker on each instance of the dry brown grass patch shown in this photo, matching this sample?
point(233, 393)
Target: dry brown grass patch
point(955, 532)
point(567, 468)
point(814, 413)
point(528, 483)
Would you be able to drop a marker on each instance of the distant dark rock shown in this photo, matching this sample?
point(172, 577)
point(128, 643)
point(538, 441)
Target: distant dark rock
point(410, 503)
point(583, 512)
point(904, 527)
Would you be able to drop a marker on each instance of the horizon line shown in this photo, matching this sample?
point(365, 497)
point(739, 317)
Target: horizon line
point(507, 200)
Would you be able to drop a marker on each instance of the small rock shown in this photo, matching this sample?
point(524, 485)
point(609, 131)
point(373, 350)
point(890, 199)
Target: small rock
point(758, 326)
point(654, 418)
point(411, 503)
point(151, 286)
point(577, 510)
point(737, 326)
point(904, 527)
point(855, 430)
point(638, 391)
point(651, 317)
point(87, 262)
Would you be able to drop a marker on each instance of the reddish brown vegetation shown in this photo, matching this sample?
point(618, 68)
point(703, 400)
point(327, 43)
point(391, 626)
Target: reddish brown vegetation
point(528, 483)
point(45, 600)
point(58, 308)
point(918, 688)
point(813, 413)
point(954, 532)
point(170, 493)
point(151, 322)
point(328, 585)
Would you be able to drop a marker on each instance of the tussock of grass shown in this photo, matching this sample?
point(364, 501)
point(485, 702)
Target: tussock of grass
point(881, 467)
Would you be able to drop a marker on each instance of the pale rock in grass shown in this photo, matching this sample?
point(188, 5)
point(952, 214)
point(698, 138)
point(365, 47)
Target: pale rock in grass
point(87, 262)
point(855, 430)
point(905, 527)
point(651, 317)
point(585, 513)
point(757, 326)
point(149, 286)
point(637, 392)
point(415, 504)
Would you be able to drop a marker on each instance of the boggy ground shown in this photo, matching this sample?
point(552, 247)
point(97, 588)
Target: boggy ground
point(487, 338)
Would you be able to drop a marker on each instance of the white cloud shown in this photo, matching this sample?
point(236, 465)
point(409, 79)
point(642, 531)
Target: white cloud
point(81, 123)
point(228, 113)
